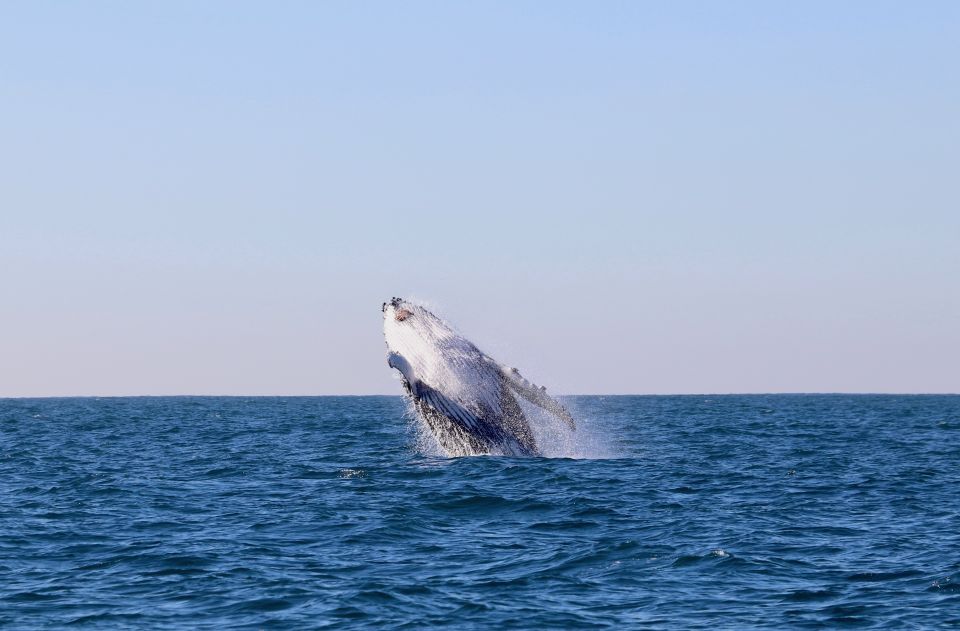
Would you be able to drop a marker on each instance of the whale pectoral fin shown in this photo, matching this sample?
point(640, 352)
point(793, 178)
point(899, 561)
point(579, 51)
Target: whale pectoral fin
point(450, 409)
point(400, 363)
point(535, 394)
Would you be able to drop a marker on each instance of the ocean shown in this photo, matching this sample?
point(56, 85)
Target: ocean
point(680, 512)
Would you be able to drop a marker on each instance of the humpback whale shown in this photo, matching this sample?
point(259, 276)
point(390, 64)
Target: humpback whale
point(466, 398)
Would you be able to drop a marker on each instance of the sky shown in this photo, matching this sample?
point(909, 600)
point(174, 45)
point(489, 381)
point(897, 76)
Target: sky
point(616, 197)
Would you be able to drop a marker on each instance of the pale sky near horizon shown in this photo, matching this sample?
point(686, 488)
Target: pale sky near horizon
point(616, 197)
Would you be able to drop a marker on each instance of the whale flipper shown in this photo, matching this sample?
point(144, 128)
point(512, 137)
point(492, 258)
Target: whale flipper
point(533, 393)
point(425, 394)
point(399, 362)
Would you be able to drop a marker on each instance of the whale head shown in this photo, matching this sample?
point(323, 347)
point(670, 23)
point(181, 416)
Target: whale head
point(413, 332)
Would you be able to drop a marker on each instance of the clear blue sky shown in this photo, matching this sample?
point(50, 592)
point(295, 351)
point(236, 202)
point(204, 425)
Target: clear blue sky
point(215, 197)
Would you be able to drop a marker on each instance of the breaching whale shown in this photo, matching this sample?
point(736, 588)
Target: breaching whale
point(466, 398)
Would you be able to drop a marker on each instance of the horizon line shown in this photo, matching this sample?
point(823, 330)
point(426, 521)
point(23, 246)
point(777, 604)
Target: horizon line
point(330, 396)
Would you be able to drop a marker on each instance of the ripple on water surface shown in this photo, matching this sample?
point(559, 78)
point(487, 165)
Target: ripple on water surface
point(729, 511)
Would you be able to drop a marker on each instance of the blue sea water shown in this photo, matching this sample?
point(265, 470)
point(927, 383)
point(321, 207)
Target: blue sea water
point(786, 511)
